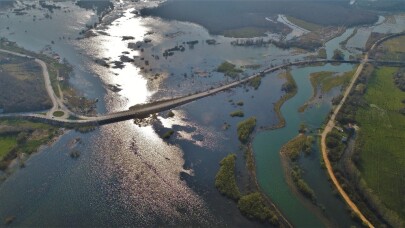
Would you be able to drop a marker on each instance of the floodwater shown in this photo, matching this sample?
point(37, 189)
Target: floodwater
point(126, 174)
point(269, 169)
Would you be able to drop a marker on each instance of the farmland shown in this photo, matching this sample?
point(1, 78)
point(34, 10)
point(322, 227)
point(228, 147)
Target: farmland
point(381, 140)
point(20, 74)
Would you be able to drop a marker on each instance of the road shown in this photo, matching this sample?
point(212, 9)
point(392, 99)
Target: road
point(331, 124)
point(328, 128)
point(159, 106)
point(47, 81)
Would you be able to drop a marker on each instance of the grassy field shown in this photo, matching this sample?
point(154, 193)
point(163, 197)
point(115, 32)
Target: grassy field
point(395, 49)
point(18, 136)
point(304, 24)
point(245, 32)
point(381, 140)
point(21, 85)
point(6, 144)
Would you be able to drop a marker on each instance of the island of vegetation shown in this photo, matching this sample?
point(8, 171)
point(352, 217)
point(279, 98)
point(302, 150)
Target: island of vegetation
point(229, 69)
point(245, 128)
point(225, 180)
point(252, 205)
point(290, 90)
point(290, 153)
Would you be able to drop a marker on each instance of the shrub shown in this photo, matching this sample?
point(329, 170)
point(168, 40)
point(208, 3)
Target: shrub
point(225, 180)
point(253, 206)
point(245, 128)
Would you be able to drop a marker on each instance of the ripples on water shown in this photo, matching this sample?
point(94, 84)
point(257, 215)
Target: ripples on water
point(141, 172)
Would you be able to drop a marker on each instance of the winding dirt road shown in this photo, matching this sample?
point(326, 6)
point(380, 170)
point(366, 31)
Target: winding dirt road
point(328, 128)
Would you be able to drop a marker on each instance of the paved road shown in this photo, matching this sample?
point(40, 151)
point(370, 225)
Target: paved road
point(145, 110)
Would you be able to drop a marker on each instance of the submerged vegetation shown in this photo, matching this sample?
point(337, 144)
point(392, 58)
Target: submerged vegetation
point(290, 89)
point(292, 150)
point(255, 82)
point(302, 186)
point(229, 69)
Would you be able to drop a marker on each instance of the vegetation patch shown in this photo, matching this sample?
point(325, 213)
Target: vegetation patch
point(7, 143)
point(255, 82)
point(168, 134)
point(21, 85)
point(325, 81)
point(225, 180)
point(335, 141)
point(381, 140)
point(229, 69)
point(58, 113)
point(290, 89)
point(338, 55)
point(245, 128)
point(245, 32)
point(294, 147)
point(302, 186)
point(253, 206)
point(18, 136)
point(322, 53)
point(304, 24)
point(238, 113)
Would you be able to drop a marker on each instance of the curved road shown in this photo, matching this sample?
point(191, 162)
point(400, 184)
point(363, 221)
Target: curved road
point(144, 110)
point(331, 124)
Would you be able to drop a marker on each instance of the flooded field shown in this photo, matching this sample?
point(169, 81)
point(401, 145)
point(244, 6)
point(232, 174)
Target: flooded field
point(126, 173)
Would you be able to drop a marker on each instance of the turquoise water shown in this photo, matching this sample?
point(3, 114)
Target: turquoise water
point(267, 145)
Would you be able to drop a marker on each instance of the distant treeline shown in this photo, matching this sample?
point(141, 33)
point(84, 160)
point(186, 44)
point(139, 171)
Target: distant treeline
point(219, 16)
point(100, 5)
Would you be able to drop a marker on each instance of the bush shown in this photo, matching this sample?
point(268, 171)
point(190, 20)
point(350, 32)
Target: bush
point(245, 128)
point(225, 180)
point(229, 69)
point(338, 55)
point(238, 113)
point(253, 206)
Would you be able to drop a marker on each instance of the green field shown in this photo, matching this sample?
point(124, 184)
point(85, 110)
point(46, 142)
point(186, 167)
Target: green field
point(381, 140)
point(6, 144)
point(395, 49)
point(20, 136)
point(246, 32)
point(304, 24)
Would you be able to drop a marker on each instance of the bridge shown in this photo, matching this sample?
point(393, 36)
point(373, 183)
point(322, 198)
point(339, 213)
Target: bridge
point(144, 110)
